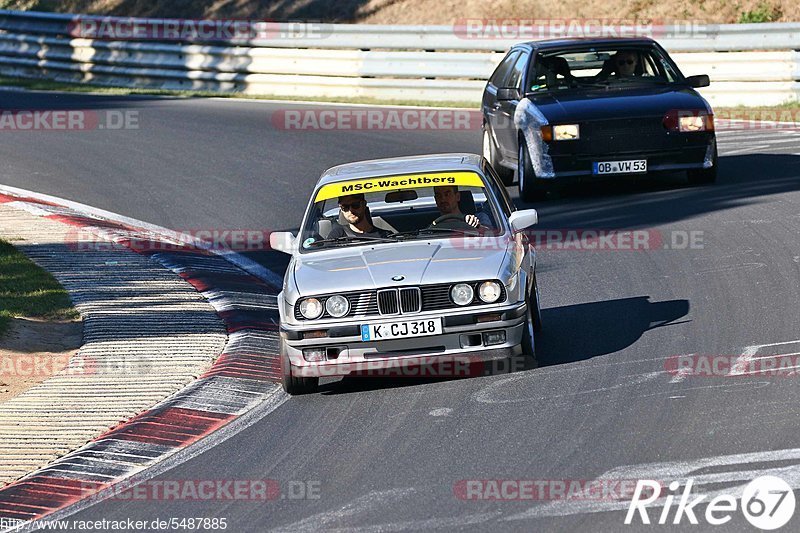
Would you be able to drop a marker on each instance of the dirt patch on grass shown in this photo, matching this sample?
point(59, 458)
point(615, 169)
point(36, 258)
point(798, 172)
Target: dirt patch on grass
point(33, 350)
point(39, 328)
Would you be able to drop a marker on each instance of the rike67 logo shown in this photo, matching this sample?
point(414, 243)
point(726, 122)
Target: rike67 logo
point(767, 503)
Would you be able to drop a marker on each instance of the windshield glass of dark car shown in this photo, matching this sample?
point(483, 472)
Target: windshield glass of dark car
point(590, 67)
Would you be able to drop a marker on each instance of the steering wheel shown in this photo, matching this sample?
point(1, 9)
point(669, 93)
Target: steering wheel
point(453, 221)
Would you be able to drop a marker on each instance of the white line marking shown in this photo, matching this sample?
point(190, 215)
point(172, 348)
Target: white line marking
point(742, 361)
point(739, 367)
point(485, 395)
point(699, 470)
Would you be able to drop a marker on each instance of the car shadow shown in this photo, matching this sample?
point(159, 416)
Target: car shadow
point(582, 331)
point(668, 198)
point(572, 333)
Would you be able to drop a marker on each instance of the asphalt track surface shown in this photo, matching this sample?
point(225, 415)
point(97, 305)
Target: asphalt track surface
point(389, 455)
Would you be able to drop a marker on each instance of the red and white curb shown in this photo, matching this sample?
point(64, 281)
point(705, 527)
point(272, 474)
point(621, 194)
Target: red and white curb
point(242, 378)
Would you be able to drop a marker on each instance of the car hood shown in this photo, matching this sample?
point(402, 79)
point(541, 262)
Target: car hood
point(598, 104)
point(419, 263)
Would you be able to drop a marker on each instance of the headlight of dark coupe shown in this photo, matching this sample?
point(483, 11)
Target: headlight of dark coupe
point(687, 121)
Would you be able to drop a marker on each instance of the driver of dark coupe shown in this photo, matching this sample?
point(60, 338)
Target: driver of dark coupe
point(447, 199)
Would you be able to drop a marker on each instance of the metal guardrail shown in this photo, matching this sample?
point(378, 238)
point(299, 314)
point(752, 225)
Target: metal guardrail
point(686, 37)
point(427, 63)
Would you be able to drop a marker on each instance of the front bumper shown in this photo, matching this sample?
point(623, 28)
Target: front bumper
point(680, 153)
point(462, 340)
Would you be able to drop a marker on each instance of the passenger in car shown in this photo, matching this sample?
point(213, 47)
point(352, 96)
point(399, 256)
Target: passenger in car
point(559, 67)
point(355, 211)
point(447, 200)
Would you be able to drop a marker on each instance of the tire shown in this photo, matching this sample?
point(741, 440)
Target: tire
point(506, 175)
point(528, 338)
point(536, 307)
point(529, 190)
point(704, 176)
point(295, 385)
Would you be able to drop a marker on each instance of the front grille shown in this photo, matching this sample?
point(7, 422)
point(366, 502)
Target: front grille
point(365, 304)
point(399, 301)
point(410, 300)
point(388, 303)
point(436, 297)
point(626, 135)
point(407, 300)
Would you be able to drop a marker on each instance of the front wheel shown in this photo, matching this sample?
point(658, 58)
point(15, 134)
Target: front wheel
point(529, 190)
point(528, 342)
point(537, 307)
point(292, 384)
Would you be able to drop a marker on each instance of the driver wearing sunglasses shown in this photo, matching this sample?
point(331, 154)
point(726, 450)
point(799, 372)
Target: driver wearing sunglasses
point(624, 63)
point(354, 210)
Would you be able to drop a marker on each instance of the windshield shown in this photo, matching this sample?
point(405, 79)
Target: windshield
point(397, 208)
point(610, 68)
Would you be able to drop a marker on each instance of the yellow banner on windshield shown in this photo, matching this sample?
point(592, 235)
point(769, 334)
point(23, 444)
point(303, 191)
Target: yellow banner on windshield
point(393, 183)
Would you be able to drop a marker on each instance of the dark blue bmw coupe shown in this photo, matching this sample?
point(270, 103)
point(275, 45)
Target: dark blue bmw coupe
point(580, 109)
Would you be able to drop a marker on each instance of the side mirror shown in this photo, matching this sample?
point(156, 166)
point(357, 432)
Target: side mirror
point(508, 93)
point(524, 219)
point(282, 241)
point(698, 81)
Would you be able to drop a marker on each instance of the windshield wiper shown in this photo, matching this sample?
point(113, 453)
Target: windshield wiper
point(598, 84)
point(641, 79)
point(430, 231)
point(349, 239)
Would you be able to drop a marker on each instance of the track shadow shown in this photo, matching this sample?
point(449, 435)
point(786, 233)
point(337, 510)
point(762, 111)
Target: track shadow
point(582, 331)
point(572, 333)
point(609, 204)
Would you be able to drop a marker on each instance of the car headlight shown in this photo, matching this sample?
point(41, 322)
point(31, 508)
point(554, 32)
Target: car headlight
point(566, 132)
point(337, 306)
point(694, 123)
point(462, 294)
point(311, 308)
point(687, 121)
point(490, 291)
